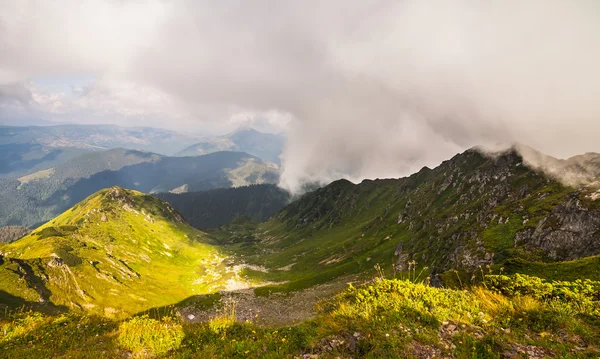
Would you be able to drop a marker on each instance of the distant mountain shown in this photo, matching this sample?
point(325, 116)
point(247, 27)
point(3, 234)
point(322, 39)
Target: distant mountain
point(99, 137)
point(38, 197)
point(18, 159)
point(218, 207)
point(25, 150)
point(117, 253)
point(263, 145)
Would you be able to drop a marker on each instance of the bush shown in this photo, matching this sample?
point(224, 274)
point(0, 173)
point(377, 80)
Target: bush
point(583, 295)
point(145, 336)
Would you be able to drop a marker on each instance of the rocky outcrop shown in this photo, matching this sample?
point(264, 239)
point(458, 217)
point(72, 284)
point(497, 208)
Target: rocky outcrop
point(55, 262)
point(570, 231)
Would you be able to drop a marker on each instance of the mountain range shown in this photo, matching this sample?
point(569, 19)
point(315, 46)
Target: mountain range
point(264, 145)
point(472, 211)
point(487, 249)
point(38, 197)
point(25, 150)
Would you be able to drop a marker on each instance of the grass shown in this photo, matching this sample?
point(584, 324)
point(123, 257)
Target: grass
point(588, 267)
point(386, 318)
point(120, 253)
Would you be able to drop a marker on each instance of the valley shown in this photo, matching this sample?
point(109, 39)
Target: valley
point(299, 179)
point(479, 228)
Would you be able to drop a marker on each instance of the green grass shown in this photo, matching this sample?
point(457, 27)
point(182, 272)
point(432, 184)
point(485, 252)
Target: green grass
point(588, 267)
point(383, 319)
point(122, 253)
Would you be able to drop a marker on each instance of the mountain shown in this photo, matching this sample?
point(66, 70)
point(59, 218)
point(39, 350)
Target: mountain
point(576, 171)
point(263, 145)
point(19, 159)
point(218, 207)
point(384, 246)
point(348, 270)
point(98, 137)
point(473, 211)
point(116, 253)
point(38, 197)
point(24, 150)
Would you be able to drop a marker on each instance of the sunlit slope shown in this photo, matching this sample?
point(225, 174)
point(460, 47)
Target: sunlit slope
point(117, 252)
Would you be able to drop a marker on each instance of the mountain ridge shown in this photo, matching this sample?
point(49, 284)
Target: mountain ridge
point(472, 211)
point(40, 196)
point(263, 145)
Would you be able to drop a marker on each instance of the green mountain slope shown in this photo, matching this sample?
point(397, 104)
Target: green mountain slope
point(263, 145)
point(40, 196)
point(471, 212)
point(466, 223)
point(116, 253)
point(218, 207)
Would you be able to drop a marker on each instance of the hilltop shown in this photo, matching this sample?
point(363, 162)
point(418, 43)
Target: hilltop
point(116, 253)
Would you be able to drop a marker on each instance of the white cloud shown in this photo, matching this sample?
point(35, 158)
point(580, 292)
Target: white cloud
point(367, 88)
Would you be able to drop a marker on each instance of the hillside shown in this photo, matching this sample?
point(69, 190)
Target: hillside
point(10, 234)
point(116, 253)
point(218, 207)
point(38, 197)
point(426, 262)
point(263, 145)
point(471, 212)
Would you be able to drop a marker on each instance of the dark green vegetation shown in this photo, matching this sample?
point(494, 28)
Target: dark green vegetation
point(40, 196)
point(384, 319)
point(218, 207)
point(12, 233)
point(116, 253)
point(263, 145)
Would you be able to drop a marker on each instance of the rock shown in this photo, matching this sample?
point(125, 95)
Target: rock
point(56, 262)
point(569, 232)
point(104, 218)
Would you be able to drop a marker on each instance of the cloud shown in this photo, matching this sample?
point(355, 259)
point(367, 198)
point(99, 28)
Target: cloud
point(365, 88)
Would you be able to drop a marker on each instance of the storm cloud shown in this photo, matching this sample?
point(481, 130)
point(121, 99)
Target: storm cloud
point(364, 89)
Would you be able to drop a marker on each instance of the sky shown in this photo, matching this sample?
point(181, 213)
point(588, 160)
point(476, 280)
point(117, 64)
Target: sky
point(363, 89)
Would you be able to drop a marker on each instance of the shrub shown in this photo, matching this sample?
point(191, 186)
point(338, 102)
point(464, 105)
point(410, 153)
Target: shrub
point(581, 295)
point(146, 336)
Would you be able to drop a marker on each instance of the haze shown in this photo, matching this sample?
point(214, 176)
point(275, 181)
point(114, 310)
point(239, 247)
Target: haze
point(364, 89)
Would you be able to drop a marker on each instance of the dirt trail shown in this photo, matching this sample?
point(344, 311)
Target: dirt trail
point(277, 309)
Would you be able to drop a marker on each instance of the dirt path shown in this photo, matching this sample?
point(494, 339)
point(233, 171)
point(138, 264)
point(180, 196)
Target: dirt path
point(277, 309)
